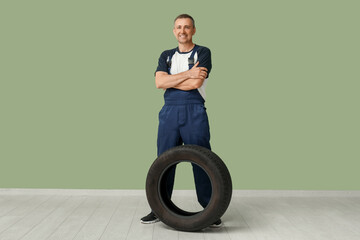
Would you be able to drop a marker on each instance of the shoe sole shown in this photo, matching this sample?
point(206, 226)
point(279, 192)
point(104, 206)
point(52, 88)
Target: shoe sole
point(149, 222)
point(216, 226)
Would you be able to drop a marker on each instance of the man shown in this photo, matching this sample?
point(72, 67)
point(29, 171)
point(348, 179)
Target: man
point(183, 73)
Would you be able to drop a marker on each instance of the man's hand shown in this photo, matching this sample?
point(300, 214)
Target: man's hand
point(197, 72)
point(196, 76)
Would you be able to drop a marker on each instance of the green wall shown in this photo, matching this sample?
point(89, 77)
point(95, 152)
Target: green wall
point(79, 108)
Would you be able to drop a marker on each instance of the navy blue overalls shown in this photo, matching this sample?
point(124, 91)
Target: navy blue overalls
point(183, 120)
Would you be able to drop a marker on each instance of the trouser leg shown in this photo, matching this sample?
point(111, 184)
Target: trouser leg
point(196, 131)
point(168, 137)
point(203, 185)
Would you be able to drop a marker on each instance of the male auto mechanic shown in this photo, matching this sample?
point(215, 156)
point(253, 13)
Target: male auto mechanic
point(183, 73)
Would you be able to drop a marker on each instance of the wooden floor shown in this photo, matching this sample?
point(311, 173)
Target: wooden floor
point(62, 217)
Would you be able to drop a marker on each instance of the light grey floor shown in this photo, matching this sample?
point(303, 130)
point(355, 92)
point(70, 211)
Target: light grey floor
point(62, 217)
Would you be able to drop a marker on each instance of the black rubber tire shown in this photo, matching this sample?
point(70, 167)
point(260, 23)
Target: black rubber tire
point(166, 210)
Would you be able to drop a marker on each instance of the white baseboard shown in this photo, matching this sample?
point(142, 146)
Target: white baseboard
point(133, 192)
point(73, 192)
point(296, 193)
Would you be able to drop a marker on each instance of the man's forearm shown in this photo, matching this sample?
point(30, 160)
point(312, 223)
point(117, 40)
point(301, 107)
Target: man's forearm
point(190, 84)
point(164, 80)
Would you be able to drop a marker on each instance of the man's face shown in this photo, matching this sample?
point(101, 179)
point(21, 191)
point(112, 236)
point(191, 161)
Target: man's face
point(184, 30)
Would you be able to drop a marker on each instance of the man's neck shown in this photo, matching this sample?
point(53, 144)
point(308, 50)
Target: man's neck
point(186, 47)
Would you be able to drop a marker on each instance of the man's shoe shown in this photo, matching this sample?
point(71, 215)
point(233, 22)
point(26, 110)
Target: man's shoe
point(150, 218)
point(217, 224)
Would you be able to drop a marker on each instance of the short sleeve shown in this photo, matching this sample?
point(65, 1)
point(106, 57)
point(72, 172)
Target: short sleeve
point(204, 58)
point(162, 65)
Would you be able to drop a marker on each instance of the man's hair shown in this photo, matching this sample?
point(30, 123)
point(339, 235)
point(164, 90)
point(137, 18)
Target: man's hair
point(185, 16)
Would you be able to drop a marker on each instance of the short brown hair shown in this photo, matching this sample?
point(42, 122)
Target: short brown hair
point(185, 16)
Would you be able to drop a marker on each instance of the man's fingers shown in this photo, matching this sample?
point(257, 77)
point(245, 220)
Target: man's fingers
point(201, 68)
point(203, 74)
point(197, 63)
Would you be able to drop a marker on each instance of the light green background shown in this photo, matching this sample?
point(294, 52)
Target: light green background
point(79, 106)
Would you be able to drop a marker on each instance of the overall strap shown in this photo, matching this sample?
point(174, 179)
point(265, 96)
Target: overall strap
point(168, 61)
point(191, 59)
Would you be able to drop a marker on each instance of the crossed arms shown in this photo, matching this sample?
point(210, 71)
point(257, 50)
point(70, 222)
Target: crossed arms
point(188, 80)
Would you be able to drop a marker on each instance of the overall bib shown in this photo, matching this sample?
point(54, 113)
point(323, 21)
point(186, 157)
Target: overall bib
point(183, 120)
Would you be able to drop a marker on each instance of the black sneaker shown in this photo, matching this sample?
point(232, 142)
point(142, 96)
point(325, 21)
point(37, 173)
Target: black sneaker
point(217, 224)
point(150, 218)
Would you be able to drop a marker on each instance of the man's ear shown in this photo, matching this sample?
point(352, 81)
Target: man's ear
point(194, 31)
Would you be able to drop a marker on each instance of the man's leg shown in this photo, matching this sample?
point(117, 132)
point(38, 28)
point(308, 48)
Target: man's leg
point(168, 137)
point(196, 131)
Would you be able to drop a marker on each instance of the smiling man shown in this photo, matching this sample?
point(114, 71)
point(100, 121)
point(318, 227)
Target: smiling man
point(183, 73)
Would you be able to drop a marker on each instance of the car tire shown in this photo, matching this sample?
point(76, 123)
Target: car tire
point(162, 205)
